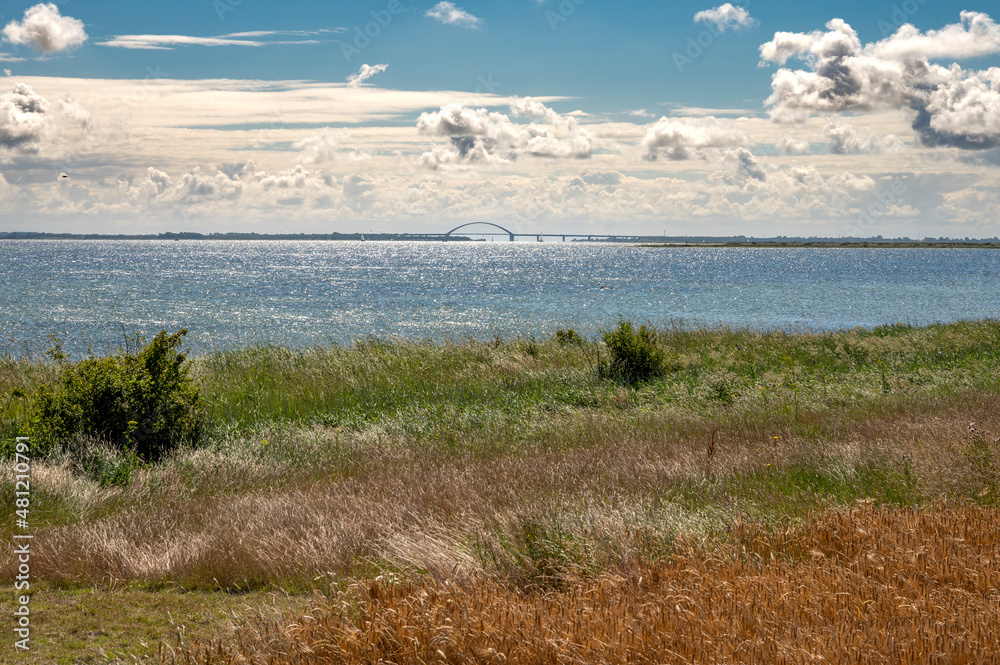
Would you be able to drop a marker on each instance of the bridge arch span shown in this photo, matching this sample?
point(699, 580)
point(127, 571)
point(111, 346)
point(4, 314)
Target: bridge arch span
point(462, 226)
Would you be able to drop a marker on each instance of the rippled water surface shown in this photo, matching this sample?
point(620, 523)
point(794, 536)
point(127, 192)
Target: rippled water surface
point(237, 293)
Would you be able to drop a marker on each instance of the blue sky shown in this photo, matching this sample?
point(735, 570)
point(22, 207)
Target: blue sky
point(611, 56)
point(692, 116)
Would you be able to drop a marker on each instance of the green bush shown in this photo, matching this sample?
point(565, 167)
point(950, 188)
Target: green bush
point(140, 401)
point(103, 463)
point(569, 337)
point(635, 356)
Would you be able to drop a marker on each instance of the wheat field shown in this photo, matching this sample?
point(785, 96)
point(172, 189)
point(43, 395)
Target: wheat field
point(865, 585)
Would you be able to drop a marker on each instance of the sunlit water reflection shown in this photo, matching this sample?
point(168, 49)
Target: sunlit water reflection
point(236, 293)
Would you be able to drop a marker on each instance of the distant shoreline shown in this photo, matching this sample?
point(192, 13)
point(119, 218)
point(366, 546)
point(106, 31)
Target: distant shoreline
point(32, 235)
point(642, 241)
point(844, 244)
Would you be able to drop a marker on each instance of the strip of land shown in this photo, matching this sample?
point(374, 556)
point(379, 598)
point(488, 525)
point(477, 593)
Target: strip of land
point(644, 241)
point(858, 243)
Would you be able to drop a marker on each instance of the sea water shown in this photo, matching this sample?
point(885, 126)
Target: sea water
point(231, 294)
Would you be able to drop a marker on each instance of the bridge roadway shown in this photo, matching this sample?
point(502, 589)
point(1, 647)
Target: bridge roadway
point(539, 236)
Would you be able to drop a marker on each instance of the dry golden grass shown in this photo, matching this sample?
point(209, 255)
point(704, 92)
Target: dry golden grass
point(634, 490)
point(872, 585)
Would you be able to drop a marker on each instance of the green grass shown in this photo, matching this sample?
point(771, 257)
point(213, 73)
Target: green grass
point(512, 458)
point(417, 388)
point(431, 391)
point(90, 626)
point(511, 397)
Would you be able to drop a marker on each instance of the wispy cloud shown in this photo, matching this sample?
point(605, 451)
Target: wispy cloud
point(365, 73)
point(702, 111)
point(169, 42)
point(45, 29)
point(449, 14)
point(294, 33)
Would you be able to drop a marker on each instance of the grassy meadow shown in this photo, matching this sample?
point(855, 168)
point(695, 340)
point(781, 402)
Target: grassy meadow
point(770, 497)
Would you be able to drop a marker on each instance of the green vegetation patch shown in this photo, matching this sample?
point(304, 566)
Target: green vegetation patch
point(140, 402)
point(91, 626)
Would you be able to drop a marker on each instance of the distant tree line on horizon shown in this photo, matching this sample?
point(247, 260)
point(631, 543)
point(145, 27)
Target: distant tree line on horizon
point(192, 235)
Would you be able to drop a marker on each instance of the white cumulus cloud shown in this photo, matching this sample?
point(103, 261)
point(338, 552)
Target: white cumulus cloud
point(975, 35)
point(29, 122)
point(726, 17)
point(482, 136)
point(963, 110)
point(792, 146)
point(25, 118)
point(327, 147)
point(45, 29)
point(535, 110)
point(319, 149)
point(680, 138)
point(844, 140)
point(745, 165)
point(449, 14)
point(950, 105)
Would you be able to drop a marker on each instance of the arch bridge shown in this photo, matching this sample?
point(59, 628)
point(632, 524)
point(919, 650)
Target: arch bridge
point(538, 236)
point(510, 234)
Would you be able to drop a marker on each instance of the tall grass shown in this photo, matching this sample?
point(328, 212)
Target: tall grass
point(449, 393)
point(433, 390)
point(372, 381)
point(869, 585)
point(512, 473)
point(532, 519)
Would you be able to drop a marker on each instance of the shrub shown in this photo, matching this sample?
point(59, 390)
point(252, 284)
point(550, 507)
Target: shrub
point(569, 337)
point(103, 463)
point(635, 357)
point(982, 454)
point(143, 402)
